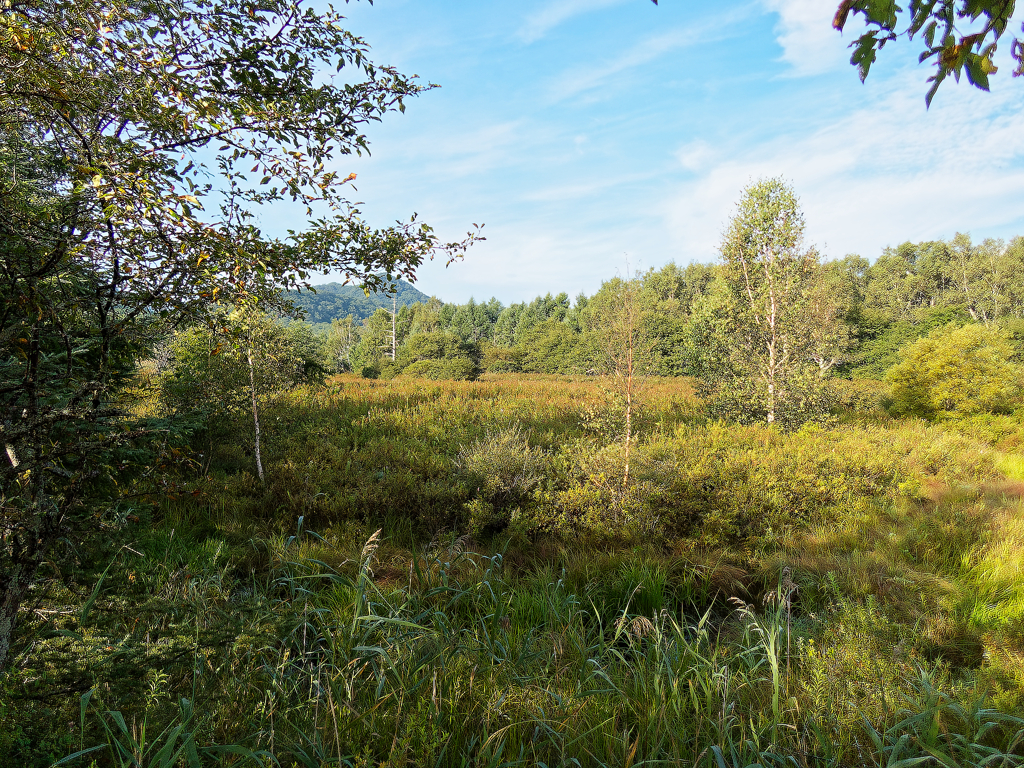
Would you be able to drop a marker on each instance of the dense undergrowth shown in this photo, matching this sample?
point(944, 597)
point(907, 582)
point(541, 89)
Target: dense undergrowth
point(456, 574)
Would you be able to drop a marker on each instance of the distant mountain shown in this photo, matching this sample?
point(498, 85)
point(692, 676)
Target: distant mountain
point(334, 300)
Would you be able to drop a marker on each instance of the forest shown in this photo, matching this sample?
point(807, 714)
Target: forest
point(766, 510)
point(873, 308)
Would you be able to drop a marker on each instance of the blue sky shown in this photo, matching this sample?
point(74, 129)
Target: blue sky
point(585, 133)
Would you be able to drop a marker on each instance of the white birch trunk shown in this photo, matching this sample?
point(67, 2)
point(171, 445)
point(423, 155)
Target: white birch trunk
point(255, 412)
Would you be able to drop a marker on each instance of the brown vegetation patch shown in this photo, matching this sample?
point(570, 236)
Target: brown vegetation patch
point(1013, 488)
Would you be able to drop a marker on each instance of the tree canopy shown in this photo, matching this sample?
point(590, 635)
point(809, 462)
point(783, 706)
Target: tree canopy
point(137, 142)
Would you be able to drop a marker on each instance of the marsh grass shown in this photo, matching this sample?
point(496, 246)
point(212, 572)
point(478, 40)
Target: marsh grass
point(841, 595)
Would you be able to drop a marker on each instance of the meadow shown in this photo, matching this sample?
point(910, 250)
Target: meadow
point(463, 574)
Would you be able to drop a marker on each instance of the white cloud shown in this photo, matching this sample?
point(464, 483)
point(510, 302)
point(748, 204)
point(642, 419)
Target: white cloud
point(450, 151)
point(584, 189)
point(538, 24)
point(524, 258)
point(591, 76)
point(696, 155)
point(809, 43)
point(878, 176)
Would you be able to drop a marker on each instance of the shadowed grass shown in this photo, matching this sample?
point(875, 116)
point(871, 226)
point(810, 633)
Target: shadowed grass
point(842, 595)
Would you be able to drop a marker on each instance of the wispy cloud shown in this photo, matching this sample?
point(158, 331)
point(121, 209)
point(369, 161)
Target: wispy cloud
point(522, 259)
point(477, 148)
point(636, 132)
point(809, 43)
point(538, 24)
point(585, 189)
point(696, 156)
point(590, 77)
point(875, 177)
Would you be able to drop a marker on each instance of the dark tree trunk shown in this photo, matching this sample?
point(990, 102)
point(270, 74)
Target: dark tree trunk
point(23, 553)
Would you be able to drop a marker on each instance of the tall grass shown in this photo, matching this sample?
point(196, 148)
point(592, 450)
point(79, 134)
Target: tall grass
point(842, 595)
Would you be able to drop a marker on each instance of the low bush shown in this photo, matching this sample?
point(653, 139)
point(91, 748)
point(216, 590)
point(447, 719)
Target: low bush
point(450, 369)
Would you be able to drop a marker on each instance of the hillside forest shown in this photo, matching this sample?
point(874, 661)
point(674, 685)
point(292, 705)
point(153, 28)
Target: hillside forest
point(762, 511)
point(873, 308)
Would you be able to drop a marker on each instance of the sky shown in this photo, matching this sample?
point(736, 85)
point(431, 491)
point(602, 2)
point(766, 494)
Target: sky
point(596, 137)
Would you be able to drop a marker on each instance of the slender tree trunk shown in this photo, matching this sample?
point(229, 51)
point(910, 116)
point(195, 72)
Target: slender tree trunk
point(394, 334)
point(772, 364)
point(629, 425)
point(255, 411)
point(631, 351)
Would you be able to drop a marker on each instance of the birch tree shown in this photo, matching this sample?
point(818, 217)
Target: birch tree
point(627, 351)
point(768, 274)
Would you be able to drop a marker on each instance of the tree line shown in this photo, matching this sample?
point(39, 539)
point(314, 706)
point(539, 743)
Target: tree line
point(859, 314)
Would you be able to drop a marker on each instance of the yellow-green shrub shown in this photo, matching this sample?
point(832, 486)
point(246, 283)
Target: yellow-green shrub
point(962, 370)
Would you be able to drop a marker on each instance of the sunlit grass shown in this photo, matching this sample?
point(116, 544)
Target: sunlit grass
point(823, 597)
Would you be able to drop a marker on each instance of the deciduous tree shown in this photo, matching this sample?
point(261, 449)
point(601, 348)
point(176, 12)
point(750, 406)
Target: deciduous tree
point(938, 24)
point(137, 142)
point(626, 350)
point(967, 369)
point(767, 276)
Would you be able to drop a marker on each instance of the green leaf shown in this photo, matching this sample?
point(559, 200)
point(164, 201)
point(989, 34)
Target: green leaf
point(936, 82)
point(864, 53)
point(977, 75)
point(95, 592)
point(80, 753)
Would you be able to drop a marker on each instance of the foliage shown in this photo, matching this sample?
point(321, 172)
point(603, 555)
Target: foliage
point(453, 369)
point(865, 313)
point(503, 467)
point(135, 140)
point(504, 470)
point(338, 342)
point(206, 369)
point(626, 351)
point(438, 355)
point(497, 359)
point(936, 22)
point(877, 565)
point(771, 327)
point(882, 339)
point(965, 370)
point(211, 374)
point(135, 746)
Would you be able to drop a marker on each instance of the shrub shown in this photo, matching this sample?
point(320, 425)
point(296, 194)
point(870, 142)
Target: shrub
point(503, 359)
point(389, 369)
point(502, 466)
point(453, 369)
point(964, 370)
point(859, 395)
